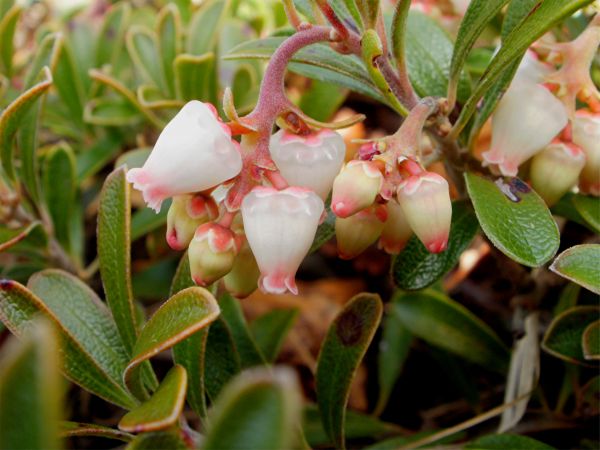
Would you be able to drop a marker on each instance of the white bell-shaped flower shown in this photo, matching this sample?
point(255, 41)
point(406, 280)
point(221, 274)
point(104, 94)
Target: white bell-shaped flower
point(194, 152)
point(396, 231)
point(526, 120)
point(280, 227)
point(311, 161)
point(586, 134)
point(355, 188)
point(531, 69)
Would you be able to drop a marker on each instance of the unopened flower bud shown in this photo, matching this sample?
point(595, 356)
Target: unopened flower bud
point(186, 214)
point(586, 134)
point(194, 152)
point(396, 231)
point(356, 233)
point(243, 278)
point(310, 161)
point(555, 170)
point(355, 188)
point(212, 253)
point(280, 227)
point(526, 120)
point(425, 201)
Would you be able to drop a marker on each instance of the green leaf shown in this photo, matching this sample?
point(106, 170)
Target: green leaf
point(322, 100)
point(114, 256)
point(369, 10)
point(193, 75)
point(270, 330)
point(143, 49)
point(589, 208)
point(259, 409)
point(447, 324)
point(158, 440)
point(202, 33)
point(93, 355)
point(325, 230)
point(428, 57)
point(59, 182)
point(505, 441)
point(591, 341)
point(168, 30)
point(580, 264)
point(416, 267)
point(145, 220)
point(478, 15)
point(94, 158)
point(221, 358)
point(8, 25)
point(393, 350)
point(342, 350)
point(13, 116)
point(110, 39)
point(544, 16)
point(233, 315)
point(565, 207)
point(69, 84)
point(398, 33)
point(405, 441)
point(108, 112)
point(563, 337)
point(182, 315)
point(189, 353)
point(31, 391)
point(31, 237)
point(73, 429)
point(162, 410)
point(515, 219)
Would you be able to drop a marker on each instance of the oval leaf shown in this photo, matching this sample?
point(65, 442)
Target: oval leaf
point(580, 264)
point(515, 219)
point(563, 337)
point(445, 323)
point(342, 350)
point(505, 441)
point(589, 208)
point(591, 341)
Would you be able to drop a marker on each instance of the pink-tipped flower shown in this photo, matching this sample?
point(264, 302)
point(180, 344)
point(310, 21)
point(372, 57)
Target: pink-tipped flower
point(526, 120)
point(212, 253)
point(555, 170)
point(243, 278)
point(356, 233)
point(194, 152)
point(355, 188)
point(186, 214)
point(311, 161)
point(425, 201)
point(280, 227)
point(396, 231)
point(586, 134)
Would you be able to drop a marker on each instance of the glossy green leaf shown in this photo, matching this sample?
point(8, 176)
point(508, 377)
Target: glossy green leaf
point(108, 112)
point(193, 75)
point(162, 410)
point(93, 355)
point(8, 25)
point(142, 45)
point(182, 315)
point(158, 440)
point(505, 441)
point(59, 183)
point(428, 57)
point(543, 17)
point(563, 337)
point(168, 30)
point(565, 207)
point(580, 264)
point(31, 391)
point(110, 39)
point(589, 208)
point(202, 33)
point(270, 330)
point(232, 313)
point(342, 350)
point(447, 324)
point(13, 116)
point(322, 100)
point(416, 267)
point(259, 409)
point(515, 219)
point(74, 429)
point(591, 341)
point(114, 253)
point(393, 350)
point(478, 15)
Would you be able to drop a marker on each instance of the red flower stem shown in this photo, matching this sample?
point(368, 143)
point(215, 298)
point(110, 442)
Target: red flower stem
point(276, 179)
point(407, 140)
point(227, 219)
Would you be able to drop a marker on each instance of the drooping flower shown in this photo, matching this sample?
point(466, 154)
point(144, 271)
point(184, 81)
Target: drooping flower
point(311, 161)
point(186, 214)
point(555, 170)
point(396, 231)
point(356, 233)
point(531, 69)
point(355, 188)
point(280, 227)
point(586, 134)
point(526, 120)
point(242, 280)
point(425, 201)
point(212, 253)
point(194, 152)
